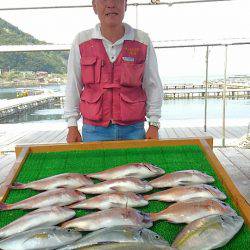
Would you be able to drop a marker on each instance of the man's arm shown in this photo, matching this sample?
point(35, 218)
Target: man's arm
point(72, 94)
point(154, 91)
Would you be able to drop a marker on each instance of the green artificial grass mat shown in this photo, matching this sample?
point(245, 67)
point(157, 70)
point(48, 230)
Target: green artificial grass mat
point(170, 158)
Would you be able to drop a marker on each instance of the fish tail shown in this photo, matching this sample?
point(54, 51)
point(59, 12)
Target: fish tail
point(18, 185)
point(147, 197)
point(96, 176)
point(4, 206)
point(65, 225)
point(154, 216)
point(79, 204)
point(82, 189)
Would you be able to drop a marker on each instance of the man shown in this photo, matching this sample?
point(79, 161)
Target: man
point(113, 80)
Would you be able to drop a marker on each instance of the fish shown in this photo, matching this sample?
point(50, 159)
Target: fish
point(59, 197)
point(192, 209)
point(181, 193)
point(181, 178)
point(40, 238)
point(67, 180)
point(109, 200)
point(42, 217)
point(109, 218)
point(119, 234)
point(125, 246)
point(129, 184)
point(137, 170)
point(210, 232)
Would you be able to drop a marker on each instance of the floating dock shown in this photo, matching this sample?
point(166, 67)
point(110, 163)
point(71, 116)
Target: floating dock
point(201, 93)
point(18, 105)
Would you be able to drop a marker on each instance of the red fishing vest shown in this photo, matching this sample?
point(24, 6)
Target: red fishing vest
point(112, 91)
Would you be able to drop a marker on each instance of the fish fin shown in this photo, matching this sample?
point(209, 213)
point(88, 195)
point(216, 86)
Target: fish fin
point(63, 186)
point(129, 175)
point(116, 189)
point(3, 206)
point(115, 204)
point(17, 185)
point(37, 236)
point(102, 243)
point(95, 176)
point(185, 183)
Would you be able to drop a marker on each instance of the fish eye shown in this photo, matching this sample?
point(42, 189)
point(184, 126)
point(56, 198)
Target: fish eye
point(156, 236)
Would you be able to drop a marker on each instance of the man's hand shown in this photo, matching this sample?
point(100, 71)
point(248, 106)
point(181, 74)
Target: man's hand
point(73, 135)
point(152, 133)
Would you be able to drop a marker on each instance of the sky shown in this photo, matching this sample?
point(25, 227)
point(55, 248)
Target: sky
point(206, 21)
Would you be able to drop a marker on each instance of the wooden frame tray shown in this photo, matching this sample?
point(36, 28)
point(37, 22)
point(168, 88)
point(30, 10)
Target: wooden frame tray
point(205, 143)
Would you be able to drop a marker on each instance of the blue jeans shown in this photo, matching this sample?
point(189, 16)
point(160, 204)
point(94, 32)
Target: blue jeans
point(113, 132)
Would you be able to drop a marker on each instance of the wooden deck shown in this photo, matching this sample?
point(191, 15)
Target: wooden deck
point(9, 139)
point(236, 161)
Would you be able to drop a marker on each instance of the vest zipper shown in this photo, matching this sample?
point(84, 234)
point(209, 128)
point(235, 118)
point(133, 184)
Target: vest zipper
point(112, 73)
point(112, 81)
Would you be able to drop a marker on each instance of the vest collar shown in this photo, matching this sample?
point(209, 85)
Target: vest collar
point(129, 34)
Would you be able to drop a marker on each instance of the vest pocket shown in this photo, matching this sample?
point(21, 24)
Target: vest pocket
point(133, 106)
point(132, 73)
point(91, 69)
point(91, 104)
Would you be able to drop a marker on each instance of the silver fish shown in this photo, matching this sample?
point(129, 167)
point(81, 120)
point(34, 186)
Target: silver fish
point(181, 178)
point(193, 209)
point(67, 180)
point(106, 201)
point(182, 193)
point(119, 234)
point(109, 218)
point(137, 170)
point(126, 246)
point(41, 238)
point(129, 184)
point(210, 232)
point(42, 217)
point(56, 197)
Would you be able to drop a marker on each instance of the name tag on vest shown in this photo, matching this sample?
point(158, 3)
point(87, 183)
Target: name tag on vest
point(128, 59)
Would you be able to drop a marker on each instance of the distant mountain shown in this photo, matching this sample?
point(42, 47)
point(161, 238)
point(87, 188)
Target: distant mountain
point(52, 62)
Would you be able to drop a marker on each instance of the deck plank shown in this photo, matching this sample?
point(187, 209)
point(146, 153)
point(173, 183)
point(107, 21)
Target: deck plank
point(239, 131)
point(245, 152)
point(179, 132)
point(216, 132)
point(61, 138)
point(171, 133)
point(238, 159)
point(240, 180)
point(12, 137)
point(6, 162)
point(163, 133)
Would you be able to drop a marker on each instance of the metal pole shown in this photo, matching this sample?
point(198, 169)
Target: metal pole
point(136, 16)
point(129, 4)
point(205, 119)
point(224, 101)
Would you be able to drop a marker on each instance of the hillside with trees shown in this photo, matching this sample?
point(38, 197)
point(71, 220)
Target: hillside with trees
point(49, 61)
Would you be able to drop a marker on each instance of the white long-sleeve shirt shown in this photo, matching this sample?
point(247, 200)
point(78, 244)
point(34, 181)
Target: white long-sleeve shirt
point(151, 81)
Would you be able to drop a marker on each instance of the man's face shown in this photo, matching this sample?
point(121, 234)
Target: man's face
point(110, 12)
